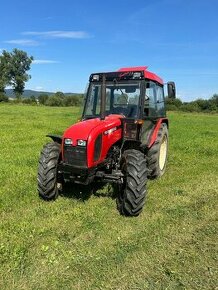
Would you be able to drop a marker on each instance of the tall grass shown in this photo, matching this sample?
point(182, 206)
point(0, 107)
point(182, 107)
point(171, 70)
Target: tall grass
point(82, 242)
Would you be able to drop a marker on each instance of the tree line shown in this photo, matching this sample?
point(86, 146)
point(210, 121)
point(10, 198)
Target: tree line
point(199, 105)
point(57, 99)
point(13, 72)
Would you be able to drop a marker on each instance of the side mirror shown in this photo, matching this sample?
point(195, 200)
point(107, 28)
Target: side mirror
point(171, 89)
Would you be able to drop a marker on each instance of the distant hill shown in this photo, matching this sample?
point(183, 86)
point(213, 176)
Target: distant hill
point(29, 93)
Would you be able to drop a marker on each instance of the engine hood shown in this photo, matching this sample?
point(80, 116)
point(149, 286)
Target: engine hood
point(82, 130)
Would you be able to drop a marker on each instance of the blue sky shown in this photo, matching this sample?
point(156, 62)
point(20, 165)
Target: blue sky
point(177, 39)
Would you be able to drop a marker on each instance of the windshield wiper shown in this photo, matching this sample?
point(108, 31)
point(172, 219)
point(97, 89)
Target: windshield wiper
point(115, 84)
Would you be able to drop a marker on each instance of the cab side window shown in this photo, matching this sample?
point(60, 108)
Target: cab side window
point(150, 99)
point(160, 94)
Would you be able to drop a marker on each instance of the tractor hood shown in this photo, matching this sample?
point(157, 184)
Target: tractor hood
point(88, 129)
point(99, 135)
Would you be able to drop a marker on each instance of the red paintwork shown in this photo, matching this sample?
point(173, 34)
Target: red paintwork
point(134, 68)
point(147, 74)
point(156, 129)
point(89, 130)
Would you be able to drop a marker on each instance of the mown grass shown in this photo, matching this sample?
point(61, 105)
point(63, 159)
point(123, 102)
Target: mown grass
point(76, 243)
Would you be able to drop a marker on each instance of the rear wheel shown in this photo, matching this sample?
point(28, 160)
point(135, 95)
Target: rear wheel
point(157, 154)
point(132, 193)
point(48, 183)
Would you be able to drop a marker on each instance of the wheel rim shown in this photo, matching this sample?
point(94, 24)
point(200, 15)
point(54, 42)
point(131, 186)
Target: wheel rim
point(163, 153)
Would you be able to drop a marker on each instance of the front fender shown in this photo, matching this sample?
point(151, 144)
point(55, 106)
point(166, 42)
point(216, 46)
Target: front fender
point(55, 138)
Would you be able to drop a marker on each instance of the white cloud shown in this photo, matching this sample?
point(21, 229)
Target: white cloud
point(59, 34)
point(38, 88)
point(24, 42)
point(44, 61)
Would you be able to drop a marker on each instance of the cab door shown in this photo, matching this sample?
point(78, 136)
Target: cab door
point(161, 112)
point(150, 103)
point(154, 100)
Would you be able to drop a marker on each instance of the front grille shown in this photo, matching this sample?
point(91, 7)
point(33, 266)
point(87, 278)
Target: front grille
point(75, 155)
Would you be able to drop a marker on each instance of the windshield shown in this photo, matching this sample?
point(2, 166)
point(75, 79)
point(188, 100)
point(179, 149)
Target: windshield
point(121, 98)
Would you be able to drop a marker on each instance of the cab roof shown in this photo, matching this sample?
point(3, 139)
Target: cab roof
point(127, 73)
point(147, 74)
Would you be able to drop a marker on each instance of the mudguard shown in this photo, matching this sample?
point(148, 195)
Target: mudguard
point(55, 138)
point(153, 136)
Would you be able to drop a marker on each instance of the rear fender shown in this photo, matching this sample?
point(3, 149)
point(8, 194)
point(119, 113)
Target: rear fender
point(154, 133)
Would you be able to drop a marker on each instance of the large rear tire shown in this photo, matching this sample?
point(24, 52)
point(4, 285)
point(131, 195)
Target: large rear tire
point(157, 154)
point(132, 193)
point(48, 185)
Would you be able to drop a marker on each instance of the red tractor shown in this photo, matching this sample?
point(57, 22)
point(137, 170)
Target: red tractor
point(122, 138)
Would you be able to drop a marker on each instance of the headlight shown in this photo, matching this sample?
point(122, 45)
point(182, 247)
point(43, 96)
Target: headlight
point(68, 141)
point(81, 143)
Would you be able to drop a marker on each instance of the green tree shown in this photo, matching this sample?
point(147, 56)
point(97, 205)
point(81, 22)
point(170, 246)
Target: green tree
point(54, 101)
point(73, 100)
point(173, 104)
point(4, 70)
point(19, 64)
point(42, 98)
point(214, 100)
point(30, 101)
point(60, 95)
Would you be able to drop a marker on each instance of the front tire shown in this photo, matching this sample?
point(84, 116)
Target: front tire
point(132, 193)
point(157, 154)
point(48, 185)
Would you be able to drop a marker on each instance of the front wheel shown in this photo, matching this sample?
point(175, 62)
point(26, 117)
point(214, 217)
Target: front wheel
point(132, 193)
point(48, 183)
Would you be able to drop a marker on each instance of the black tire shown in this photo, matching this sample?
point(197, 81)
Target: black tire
point(156, 163)
point(131, 195)
point(47, 171)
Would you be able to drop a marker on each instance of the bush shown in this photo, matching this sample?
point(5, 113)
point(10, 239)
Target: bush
point(43, 99)
point(73, 100)
point(3, 98)
point(173, 104)
point(54, 101)
point(30, 101)
point(190, 107)
point(60, 100)
point(199, 105)
point(171, 107)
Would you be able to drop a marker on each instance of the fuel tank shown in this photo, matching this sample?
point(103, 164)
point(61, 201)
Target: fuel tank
point(99, 135)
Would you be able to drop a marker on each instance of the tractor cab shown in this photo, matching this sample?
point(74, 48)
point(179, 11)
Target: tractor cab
point(134, 93)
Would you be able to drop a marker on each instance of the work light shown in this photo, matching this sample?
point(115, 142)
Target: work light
point(95, 78)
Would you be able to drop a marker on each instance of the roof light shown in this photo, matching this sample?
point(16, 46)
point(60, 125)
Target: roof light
point(137, 75)
point(95, 77)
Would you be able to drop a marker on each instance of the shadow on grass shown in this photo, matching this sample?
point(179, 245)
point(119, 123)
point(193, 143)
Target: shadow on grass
point(84, 192)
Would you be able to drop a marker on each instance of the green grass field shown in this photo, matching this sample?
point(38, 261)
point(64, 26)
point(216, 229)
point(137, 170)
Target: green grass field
point(77, 243)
